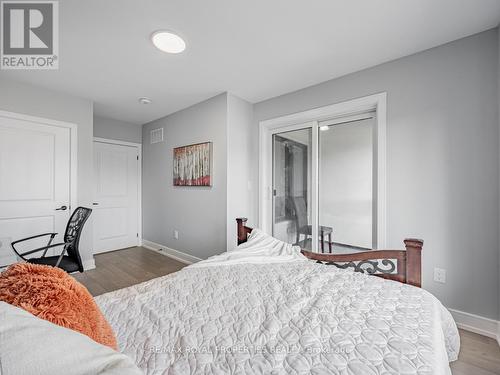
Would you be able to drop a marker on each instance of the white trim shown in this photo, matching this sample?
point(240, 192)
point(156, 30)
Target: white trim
point(315, 186)
point(381, 118)
point(498, 333)
point(73, 131)
point(171, 253)
point(477, 324)
point(377, 102)
point(88, 264)
point(367, 115)
point(38, 120)
point(139, 180)
point(116, 142)
point(349, 107)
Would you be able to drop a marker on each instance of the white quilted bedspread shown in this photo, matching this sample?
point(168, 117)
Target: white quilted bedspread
point(295, 317)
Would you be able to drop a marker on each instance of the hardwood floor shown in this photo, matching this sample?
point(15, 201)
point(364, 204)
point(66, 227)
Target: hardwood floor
point(123, 268)
point(479, 355)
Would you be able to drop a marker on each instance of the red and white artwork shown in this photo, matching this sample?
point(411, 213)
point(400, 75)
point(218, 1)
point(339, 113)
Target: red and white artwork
point(192, 165)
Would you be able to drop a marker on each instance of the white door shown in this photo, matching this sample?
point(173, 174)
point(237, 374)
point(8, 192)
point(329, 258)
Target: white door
point(116, 202)
point(34, 183)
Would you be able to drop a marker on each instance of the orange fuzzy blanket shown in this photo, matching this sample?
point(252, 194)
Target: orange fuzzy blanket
point(51, 294)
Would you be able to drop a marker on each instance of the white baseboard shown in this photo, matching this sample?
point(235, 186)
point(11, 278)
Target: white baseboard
point(89, 264)
point(498, 333)
point(477, 324)
point(171, 253)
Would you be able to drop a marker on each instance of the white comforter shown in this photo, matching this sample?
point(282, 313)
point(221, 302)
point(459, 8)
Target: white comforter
point(265, 309)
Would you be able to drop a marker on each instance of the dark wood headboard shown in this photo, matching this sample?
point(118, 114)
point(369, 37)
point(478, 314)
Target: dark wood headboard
point(400, 265)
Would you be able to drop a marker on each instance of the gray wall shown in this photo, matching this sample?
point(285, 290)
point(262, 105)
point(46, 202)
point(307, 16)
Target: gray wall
point(117, 130)
point(442, 159)
point(241, 191)
point(35, 101)
point(198, 213)
point(498, 93)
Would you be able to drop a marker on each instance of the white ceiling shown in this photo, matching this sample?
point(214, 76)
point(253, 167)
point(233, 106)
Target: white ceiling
point(256, 49)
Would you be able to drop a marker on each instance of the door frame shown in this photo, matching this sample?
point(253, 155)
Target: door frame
point(139, 180)
point(73, 147)
point(311, 118)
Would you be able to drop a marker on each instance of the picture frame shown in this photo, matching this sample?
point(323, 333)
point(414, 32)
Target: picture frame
point(192, 165)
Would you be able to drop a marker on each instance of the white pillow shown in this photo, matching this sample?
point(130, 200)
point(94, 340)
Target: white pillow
point(30, 345)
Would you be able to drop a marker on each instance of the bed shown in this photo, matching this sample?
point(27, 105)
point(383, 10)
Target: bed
point(266, 307)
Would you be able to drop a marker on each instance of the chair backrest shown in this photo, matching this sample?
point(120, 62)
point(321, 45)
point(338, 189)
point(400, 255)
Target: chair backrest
point(73, 232)
point(300, 208)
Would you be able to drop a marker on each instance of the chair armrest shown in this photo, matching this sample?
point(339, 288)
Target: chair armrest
point(42, 248)
point(52, 235)
point(32, 237)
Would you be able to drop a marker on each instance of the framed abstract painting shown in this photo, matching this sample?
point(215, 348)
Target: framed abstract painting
point(193, 165)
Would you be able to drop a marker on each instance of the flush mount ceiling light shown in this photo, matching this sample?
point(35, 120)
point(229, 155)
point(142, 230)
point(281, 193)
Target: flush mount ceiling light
point(324, 127)
point(145, 100)
point(167, 41)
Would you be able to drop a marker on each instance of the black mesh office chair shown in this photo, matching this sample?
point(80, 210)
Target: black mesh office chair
point(70, 262)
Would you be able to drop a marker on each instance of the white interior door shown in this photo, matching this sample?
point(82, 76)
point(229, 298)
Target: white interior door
point(34, 182)
point(116, 218)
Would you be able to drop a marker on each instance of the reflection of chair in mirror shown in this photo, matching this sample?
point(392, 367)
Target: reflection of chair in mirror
point(303, 227)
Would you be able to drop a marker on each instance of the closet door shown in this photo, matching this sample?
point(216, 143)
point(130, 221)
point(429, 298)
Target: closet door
point(34, 184)
point(346, 181)
point(116, 196)
point(291, 190)
point(325, 189)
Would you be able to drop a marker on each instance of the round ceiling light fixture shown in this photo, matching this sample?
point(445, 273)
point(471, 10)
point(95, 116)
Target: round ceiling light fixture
point(145, 100)
point(167, 41)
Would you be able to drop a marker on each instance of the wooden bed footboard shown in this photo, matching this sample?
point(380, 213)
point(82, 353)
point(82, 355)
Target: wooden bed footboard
point(400, 265)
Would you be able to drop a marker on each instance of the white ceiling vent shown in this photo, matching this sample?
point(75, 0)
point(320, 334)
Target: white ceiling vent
point(157, 135)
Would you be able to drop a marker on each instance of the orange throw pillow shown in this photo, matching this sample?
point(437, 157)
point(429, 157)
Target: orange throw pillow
point(51, 294)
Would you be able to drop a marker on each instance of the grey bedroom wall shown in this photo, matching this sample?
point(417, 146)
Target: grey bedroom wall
point(198, 213)
point(35, 101)
point(442, 159)
point(498, 93)
point(117, 130)
point(241, 190)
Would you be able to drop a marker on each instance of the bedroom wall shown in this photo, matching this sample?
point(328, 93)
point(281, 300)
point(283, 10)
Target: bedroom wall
point(198, 213)
point(498, 93)
point(241, 196)
point(35, 101)
point(442, 159)
point(117, 130)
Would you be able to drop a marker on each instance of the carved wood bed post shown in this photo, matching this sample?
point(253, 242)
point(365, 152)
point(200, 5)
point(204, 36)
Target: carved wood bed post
point(242, 232)
point(413, 261)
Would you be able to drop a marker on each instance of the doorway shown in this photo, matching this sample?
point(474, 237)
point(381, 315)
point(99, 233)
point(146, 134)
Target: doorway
point(117, 185)
point(37, 180)
point(292, 185)
point(322, 176)
point(346, 206)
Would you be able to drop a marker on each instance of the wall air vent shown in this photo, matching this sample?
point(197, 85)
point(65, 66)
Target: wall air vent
point(157, 135)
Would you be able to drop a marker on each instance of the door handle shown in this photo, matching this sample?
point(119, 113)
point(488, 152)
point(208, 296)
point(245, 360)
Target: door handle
point(62, 208)
point(95, 204)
